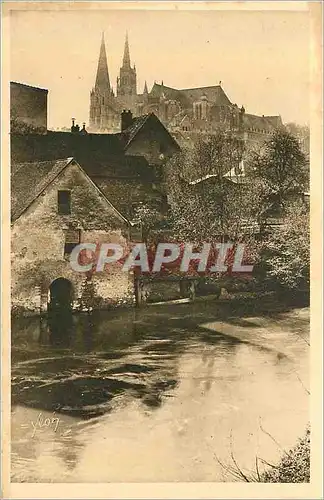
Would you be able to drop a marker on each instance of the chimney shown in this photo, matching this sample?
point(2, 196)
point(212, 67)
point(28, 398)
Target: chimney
point(126, 119)
point(83, 130)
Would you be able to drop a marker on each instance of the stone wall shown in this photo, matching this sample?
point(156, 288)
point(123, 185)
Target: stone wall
point(163, 290)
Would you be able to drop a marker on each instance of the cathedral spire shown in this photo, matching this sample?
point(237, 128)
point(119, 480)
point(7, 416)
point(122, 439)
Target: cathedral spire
point(145, 88)
point(102, 79)
point(126, 58)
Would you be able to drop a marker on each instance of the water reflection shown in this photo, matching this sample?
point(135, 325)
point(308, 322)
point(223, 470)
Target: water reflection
point(162, 388)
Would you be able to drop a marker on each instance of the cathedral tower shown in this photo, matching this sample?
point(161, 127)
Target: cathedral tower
point(126, 83)
point(102, 78)
point(103, 116)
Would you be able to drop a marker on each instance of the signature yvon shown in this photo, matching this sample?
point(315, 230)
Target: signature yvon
point(42, 422)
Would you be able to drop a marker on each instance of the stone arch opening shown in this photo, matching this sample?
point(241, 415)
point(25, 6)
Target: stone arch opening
point(61, 293)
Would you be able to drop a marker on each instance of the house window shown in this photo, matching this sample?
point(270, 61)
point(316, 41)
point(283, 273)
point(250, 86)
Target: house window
point(64, 202)
point(72, 239)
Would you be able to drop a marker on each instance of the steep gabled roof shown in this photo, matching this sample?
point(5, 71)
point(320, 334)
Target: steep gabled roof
point(130, 133)
point(29, 180)
point(214, 94)
point(157, 89)
point(169, 93)
point(138, 124)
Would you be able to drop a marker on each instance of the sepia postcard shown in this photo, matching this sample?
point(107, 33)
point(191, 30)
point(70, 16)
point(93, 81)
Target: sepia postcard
point(161, 173)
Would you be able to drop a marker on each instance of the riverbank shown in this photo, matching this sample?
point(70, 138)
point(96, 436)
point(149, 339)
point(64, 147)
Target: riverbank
point(231, 304)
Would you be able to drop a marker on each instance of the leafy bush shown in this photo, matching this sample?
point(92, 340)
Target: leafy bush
point(294, 467)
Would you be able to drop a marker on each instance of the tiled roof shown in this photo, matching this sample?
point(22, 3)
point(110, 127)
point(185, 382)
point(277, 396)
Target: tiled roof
point(214, 94)
point(55, 145)
point(131, 131)
point(118, 167)
point(28, 180)
point(138, 123)
point(259, 123)
point(168, 91)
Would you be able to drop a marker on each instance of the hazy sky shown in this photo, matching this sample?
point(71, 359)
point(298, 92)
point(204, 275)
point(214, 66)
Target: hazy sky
point(262, 58)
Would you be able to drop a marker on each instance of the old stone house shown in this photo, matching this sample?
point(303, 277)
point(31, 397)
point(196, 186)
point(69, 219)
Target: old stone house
point(55, 206)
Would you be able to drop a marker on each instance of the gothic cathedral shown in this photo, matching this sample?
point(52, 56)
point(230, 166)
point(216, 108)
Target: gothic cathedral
point(188, 112)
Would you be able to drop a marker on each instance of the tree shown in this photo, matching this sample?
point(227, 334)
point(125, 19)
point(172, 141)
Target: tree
point(282, 169)
point(149, 217)
point(286, 251)
point(302, 133)
point(207, 205)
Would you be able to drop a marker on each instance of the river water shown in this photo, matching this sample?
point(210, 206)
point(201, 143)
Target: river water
point(167, 393)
